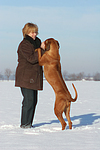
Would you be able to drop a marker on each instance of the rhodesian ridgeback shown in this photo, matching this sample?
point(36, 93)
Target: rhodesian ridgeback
point(52, 71)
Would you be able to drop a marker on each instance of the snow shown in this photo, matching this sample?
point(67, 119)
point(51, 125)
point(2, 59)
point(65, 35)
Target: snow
point(47, 133)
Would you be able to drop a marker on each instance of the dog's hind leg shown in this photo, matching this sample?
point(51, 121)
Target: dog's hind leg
point(58, 112)
point(67, 114)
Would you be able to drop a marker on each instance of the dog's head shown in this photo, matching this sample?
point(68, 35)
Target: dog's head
point(49, 41)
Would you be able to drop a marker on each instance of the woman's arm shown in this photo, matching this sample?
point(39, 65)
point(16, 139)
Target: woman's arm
point(28, 52)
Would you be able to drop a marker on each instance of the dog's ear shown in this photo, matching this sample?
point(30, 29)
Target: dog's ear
point(47, 45)
point(58, 44)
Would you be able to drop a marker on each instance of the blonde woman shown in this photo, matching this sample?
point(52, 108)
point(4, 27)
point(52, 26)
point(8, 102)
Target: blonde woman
point(29, 75)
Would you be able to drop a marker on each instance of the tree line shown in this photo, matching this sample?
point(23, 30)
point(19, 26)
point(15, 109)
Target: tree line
point(81, 76)
point(10, 75)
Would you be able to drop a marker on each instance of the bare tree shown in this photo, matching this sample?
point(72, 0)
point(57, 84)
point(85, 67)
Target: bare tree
point(72, 77)
point(8, 73)
point(97, 77)
point(80, 76)
point(1, 76)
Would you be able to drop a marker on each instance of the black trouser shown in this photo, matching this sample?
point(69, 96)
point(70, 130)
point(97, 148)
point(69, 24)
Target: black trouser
point(28, 106)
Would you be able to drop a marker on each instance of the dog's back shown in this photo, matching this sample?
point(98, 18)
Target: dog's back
point(53, 76)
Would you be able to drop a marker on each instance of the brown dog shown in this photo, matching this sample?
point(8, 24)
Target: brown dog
point(52, 71)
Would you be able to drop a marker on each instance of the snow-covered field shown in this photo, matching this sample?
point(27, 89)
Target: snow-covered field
point(47, 133)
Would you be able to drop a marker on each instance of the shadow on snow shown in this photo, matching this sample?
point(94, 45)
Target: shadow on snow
point(87, 119)
point(84, 120)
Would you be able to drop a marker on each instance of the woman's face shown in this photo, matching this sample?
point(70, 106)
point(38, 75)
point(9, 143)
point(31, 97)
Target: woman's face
point(32, 35)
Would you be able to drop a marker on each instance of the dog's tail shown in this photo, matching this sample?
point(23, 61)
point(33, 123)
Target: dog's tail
point(76, 95)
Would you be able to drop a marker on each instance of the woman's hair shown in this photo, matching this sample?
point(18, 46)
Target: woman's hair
point(29, 27)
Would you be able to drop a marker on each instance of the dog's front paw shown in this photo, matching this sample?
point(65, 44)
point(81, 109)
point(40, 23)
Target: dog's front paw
point(36, 50)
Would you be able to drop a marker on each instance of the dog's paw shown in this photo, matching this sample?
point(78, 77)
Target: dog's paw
point(70, 125)
point(64, 126)
point(36, 50)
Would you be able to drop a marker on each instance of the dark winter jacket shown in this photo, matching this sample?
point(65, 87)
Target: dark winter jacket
point(28, 72)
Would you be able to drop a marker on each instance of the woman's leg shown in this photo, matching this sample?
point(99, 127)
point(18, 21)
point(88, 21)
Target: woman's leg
point(28, 106)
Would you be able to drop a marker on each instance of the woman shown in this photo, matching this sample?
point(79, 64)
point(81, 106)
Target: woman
point(29, 75)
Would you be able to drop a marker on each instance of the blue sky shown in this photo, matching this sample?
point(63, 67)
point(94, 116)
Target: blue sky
point(75, 24)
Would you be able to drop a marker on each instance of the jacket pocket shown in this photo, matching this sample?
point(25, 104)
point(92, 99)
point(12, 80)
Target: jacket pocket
point(30, 76)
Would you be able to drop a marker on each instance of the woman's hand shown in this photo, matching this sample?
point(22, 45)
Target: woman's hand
point(43, 45)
